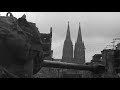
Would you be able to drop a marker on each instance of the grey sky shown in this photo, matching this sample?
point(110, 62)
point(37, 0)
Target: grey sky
point(98, 28)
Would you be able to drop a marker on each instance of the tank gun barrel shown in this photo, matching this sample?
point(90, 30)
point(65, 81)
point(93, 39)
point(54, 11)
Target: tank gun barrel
point(56, 64)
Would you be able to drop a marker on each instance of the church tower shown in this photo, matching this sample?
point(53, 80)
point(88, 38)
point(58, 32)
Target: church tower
point(67, 48)
point(79, 50)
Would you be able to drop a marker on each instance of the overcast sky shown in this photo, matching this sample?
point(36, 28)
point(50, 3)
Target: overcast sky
point(98, 28)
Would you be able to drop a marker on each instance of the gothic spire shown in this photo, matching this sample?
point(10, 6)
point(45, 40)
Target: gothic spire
point(79, 37)
point(79, 51)
point(68, 33)
point(67, 48)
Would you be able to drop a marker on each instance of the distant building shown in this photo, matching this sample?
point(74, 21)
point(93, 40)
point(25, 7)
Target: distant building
point(79, 54)
point(96, 58)
point(68, 48)
point(79, 50)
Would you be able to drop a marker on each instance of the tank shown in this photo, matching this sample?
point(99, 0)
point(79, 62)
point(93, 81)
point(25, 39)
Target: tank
point(24, 50)
point(95, 68)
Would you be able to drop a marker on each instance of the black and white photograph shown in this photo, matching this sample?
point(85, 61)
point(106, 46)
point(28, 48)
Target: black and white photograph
point(59, 44)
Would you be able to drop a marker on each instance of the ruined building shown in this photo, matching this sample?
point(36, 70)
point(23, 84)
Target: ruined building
point(79, 50)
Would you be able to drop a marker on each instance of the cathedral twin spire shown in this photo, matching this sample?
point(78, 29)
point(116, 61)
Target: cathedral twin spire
point(68, 37)
point(79, 38)
point(67, 48)
point(79, 52)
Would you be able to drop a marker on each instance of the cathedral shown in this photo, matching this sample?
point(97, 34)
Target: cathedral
point(79, 49)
